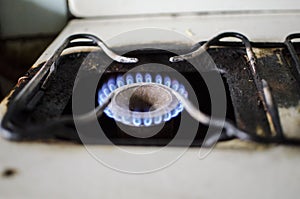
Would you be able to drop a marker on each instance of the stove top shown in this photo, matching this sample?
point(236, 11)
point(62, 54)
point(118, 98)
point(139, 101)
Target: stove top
point(200, 172)
point(261, 82)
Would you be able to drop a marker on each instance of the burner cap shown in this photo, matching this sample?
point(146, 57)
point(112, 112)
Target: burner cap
point(142, 103)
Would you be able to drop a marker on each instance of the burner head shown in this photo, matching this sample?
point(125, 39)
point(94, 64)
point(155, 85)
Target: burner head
point(139, 101)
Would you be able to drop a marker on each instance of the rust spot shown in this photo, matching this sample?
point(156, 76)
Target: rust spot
point(9, 172)
point(22, 80)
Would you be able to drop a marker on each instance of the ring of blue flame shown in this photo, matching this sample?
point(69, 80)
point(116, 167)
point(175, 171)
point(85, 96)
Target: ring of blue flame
point(121, 81)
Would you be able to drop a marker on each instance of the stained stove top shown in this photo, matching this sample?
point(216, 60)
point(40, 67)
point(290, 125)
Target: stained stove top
point(276, 63)
point(261, 80)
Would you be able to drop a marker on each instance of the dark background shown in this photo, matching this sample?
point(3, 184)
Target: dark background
point(27, 27)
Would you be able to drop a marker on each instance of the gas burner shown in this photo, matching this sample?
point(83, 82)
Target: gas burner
point(140, 101)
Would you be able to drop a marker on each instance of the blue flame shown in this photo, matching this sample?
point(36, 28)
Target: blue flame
point(158, 79)
point(137, 121)
point(175, 85)
point(129, 79)
point(148, 78)
point(147, 121)
point(119, 81)
point(139, 78)
point(167, 81)
point(111, 84)
point(158, 119)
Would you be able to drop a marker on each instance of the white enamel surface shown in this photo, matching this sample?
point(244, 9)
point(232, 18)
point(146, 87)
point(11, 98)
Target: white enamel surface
point(68, 171)
point(98, 8)
point(257, 27)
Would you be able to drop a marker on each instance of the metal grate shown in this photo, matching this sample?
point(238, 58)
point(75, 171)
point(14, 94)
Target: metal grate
point(257, 86)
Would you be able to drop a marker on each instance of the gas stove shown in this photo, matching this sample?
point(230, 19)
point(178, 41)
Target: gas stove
point(141, 84)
